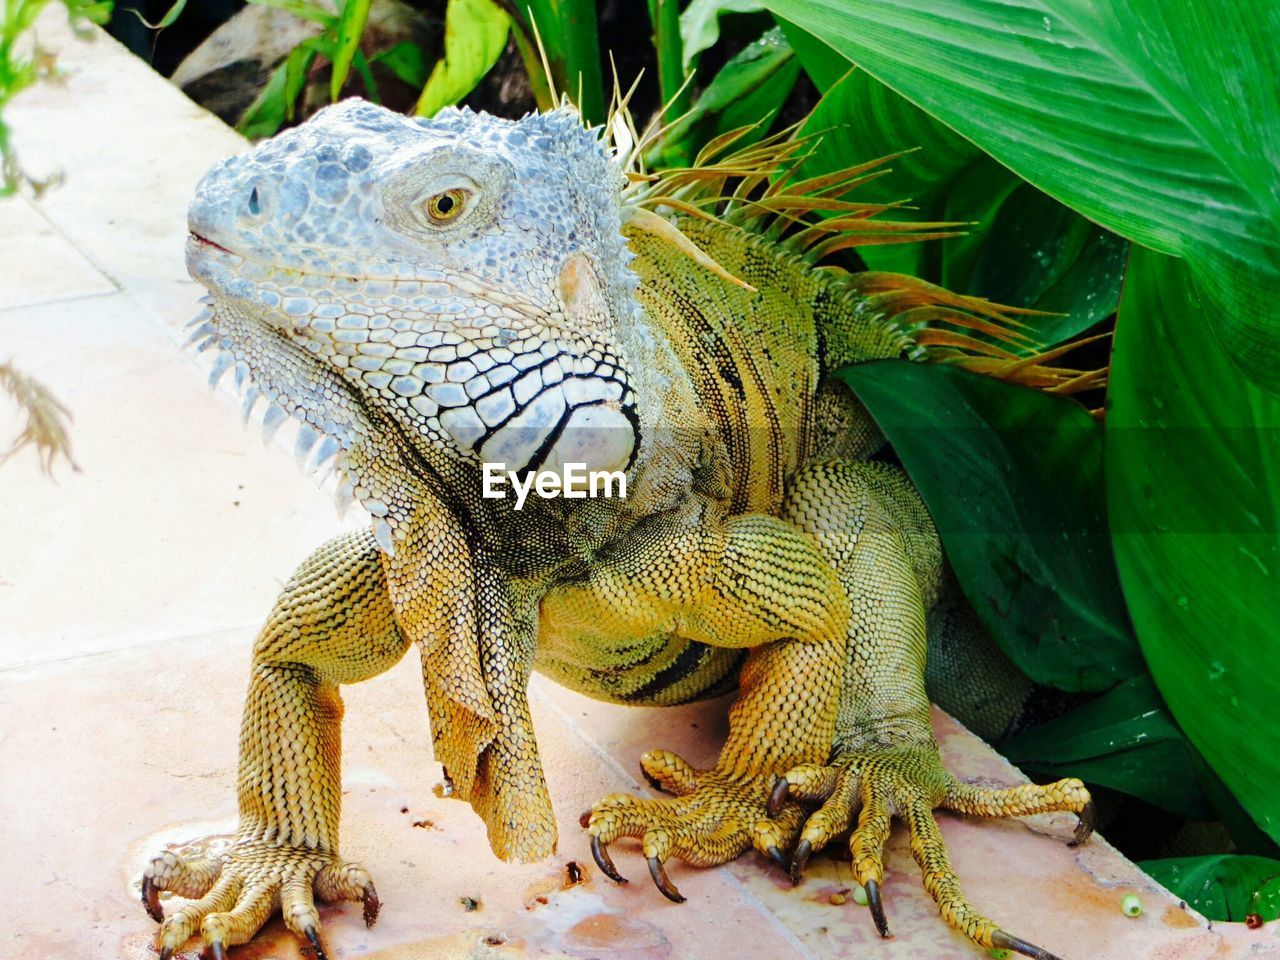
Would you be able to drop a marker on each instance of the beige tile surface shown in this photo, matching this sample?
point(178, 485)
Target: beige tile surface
point(39, 264)
point(129, 596)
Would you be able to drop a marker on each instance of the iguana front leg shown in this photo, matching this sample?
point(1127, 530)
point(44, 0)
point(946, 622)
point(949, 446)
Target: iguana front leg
point(332, 624)
point(750, 581)
point(864, 523)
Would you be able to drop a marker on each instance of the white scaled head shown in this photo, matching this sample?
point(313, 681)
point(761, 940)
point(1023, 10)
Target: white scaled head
point(466, 275)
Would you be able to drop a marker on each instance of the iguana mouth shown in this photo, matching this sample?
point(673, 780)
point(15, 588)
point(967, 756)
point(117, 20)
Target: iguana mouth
point(206, 242)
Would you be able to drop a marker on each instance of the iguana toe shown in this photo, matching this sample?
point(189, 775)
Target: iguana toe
point(909, 782)
point(237, 891)
point(712, 819)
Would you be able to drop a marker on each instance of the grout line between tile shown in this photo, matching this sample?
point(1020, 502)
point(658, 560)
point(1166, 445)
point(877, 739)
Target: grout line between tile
point(89, 258)
point(36, 664)
point(74, 298)
point(582, 734)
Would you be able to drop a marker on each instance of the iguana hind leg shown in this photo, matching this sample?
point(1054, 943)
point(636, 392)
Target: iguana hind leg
point(332, 624)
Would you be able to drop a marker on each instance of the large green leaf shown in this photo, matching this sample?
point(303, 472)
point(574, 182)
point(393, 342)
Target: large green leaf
point(569, 36)
point(475, 34)
point(1193, 494)
point(1157, 120)
point(859, 119)
point(1021, 248)
point(1039, 254)
point(1222, 887)
point(1124, 740)
point(700, 25)
point(1013, 479)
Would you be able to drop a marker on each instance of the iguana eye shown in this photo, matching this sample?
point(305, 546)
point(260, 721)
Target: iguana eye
point(446, 206)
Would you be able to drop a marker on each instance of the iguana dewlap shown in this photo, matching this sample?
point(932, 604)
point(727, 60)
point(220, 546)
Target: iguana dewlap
point(427, 297)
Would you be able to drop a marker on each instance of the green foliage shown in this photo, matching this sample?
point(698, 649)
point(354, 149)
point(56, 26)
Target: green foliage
point(749, 90)
point(699, 26)
point(1193, 491)
point(23, 62)
point(1125, 115)
point(570, 40)
point(355, 13)
point(1125, 740)
point(1023, 248)
point(1013, 480)
point(338, 41)
point(475, 34)
point(1222, 887)
point(168, 20)
point(1048, 88)
point(1066, 265)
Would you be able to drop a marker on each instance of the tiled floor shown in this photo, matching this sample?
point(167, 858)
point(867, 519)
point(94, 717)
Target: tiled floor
point(130, 593)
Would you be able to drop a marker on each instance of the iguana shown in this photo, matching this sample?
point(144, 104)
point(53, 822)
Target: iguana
point(428, 296)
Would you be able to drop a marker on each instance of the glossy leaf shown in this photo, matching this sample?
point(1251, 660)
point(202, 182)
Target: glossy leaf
point(1125, 740)
point(700, 24)
point(675, 94)
point(570, 37)
point(1013, 480)
point(405, 60)
point(749, 89)
point(355, 13)
point(475, 34)
point(1039, 254)
point(859, 119)
point(1193, 493)
point(1223, 887)
point(1048, 86)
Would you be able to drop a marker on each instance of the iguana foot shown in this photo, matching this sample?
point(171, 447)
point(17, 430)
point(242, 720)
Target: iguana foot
point(910, 782)
point(713, 818)
point(235, 892)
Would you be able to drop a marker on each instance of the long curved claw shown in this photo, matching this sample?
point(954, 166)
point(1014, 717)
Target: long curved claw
point(777, 857)
point(315, 942)
point(663, 882)
point(371, 904)
point(166, 953)
point(1084, 829)
point(604, 862)
point(804, 850)
point(151, 900)
point(217, 951)
point(778, 796)
point(876, 906)
point(1006, 942)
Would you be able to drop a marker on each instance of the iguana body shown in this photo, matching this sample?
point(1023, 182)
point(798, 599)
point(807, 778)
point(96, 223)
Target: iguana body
point(427, 296)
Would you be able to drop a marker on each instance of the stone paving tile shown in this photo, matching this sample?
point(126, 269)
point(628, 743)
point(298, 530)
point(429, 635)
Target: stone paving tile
point(51, 268)
point(107, 757)
point(1020, 872)
point(179, 521)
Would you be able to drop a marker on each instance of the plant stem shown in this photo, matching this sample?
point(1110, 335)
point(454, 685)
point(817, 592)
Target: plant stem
point(677, 98)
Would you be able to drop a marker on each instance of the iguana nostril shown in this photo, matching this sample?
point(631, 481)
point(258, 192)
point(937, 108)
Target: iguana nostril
point(255, 207)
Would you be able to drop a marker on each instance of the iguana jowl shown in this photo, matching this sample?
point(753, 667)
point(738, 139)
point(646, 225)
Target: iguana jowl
point(427, 296)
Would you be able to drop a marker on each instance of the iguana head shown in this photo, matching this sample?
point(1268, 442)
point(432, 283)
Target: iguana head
point(463, 278)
